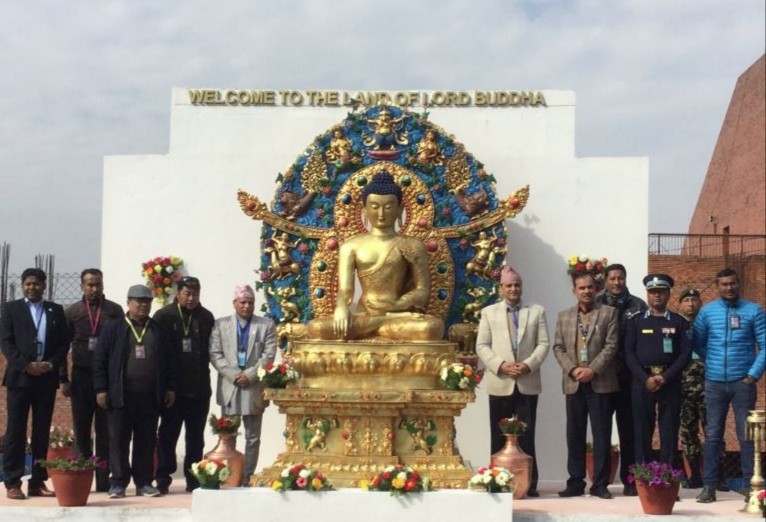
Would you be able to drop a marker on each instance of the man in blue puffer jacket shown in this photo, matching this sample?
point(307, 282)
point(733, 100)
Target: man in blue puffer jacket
point(726, 332)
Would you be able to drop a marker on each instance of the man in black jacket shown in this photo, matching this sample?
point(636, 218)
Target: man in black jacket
point(35, 340)
point(617, 295)
point(189, 325)
point(134, 377)
point(86, 319)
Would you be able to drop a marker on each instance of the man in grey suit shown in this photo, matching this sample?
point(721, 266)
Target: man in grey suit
point(585, 346)
point(239, 344)
point(512, 342)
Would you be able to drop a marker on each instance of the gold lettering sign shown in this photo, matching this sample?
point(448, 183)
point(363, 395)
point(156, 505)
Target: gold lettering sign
point(294, 98)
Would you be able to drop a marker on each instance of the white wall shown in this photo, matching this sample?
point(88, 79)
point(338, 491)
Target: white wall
point(184, 203)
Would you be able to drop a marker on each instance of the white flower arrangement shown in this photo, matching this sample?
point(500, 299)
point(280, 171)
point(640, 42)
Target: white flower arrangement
point(492, 479)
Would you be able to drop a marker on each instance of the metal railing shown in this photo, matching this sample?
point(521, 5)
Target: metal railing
point(707, 245)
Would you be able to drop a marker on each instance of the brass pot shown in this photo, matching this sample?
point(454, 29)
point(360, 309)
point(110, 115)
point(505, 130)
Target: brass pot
point(512, 458)
point(226, 449)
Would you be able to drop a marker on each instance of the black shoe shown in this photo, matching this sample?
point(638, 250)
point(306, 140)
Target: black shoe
point(630, 490)
point(707, 496)
point(600, 492)
point(163, 491)
point(572, 492)
point(533, 493)
point(722, 486)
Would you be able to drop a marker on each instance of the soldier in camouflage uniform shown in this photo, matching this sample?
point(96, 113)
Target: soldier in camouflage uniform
point(693, 392)
point(693, 403)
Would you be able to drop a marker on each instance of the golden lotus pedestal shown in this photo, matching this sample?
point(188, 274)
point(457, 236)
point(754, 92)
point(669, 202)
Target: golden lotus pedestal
point(361, 406)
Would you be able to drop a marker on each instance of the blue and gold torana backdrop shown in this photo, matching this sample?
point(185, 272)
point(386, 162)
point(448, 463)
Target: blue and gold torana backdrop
point(450, 204)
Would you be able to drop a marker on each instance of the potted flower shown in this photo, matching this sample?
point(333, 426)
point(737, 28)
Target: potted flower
point(211, 473)
point(512, 457)
point(492, 480)
point(300, 478)
point(277, 375)
point(458, 376)
point(657, 484)
point(227, 427)
point(614, 461)
point(60, 443)
point(72, 477)
point(399, 480)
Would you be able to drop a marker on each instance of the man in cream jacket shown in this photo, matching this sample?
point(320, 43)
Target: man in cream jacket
point(239, 344)
point(512, 342)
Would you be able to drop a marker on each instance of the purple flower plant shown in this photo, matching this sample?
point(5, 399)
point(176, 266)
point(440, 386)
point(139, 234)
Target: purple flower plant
point(656, 474)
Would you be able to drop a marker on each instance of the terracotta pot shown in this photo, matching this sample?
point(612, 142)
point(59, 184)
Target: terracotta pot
point(613, 465)
point(512, 458)
point(72, 487)
point(657, 501)
point(226, 449)
point(63, 453)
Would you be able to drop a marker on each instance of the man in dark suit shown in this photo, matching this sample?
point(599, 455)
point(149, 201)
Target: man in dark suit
point(35, 339)
point(585, 346)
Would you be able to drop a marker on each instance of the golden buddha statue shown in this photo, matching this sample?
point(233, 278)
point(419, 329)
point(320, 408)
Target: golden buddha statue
point(393, 272)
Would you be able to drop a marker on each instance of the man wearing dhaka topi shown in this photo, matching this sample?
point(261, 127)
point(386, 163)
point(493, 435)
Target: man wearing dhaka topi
point(393, 272)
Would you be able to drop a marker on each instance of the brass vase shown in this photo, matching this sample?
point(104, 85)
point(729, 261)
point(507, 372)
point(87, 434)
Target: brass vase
point(226, 449)
point(512, 458)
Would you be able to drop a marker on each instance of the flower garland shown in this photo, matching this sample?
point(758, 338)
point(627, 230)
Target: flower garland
point(492, 480)
point(160, 273)
point(458, 376)
point(399, 480)
point(300, 478)
point(582, 265)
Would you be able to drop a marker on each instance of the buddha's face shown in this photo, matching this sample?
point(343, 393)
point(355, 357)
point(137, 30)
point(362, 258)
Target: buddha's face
point(382, 210)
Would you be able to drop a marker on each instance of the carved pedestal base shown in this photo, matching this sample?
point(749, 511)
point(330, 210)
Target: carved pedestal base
point(352, 434)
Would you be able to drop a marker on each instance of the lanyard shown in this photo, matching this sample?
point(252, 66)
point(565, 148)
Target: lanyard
point(93, 323)
point(583, 328)
point(39, 318)
point(187, 326)
point(139, 338)
point(515, 333)
point(242, 334)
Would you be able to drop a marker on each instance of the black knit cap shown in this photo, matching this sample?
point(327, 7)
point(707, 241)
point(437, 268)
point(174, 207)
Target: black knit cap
point(382, 184)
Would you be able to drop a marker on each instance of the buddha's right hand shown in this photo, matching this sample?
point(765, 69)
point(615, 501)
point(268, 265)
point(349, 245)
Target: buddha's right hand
point(341, 322)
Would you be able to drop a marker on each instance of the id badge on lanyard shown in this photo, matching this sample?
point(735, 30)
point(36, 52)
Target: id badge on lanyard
point(187, 344)
point(734, 322)
point(241, 358)
point(92, 342)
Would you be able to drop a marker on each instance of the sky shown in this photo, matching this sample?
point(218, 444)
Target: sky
point(83, 79)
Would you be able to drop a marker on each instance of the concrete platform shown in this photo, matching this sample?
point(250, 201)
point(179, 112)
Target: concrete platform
point(177, 506)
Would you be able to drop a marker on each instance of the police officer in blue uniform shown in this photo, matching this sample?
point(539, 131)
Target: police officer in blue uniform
point(657, 350)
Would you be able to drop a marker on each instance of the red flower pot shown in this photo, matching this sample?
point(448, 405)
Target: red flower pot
point(57, 452)
point(657, 500)
point(72, 487)
point(614, 464)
